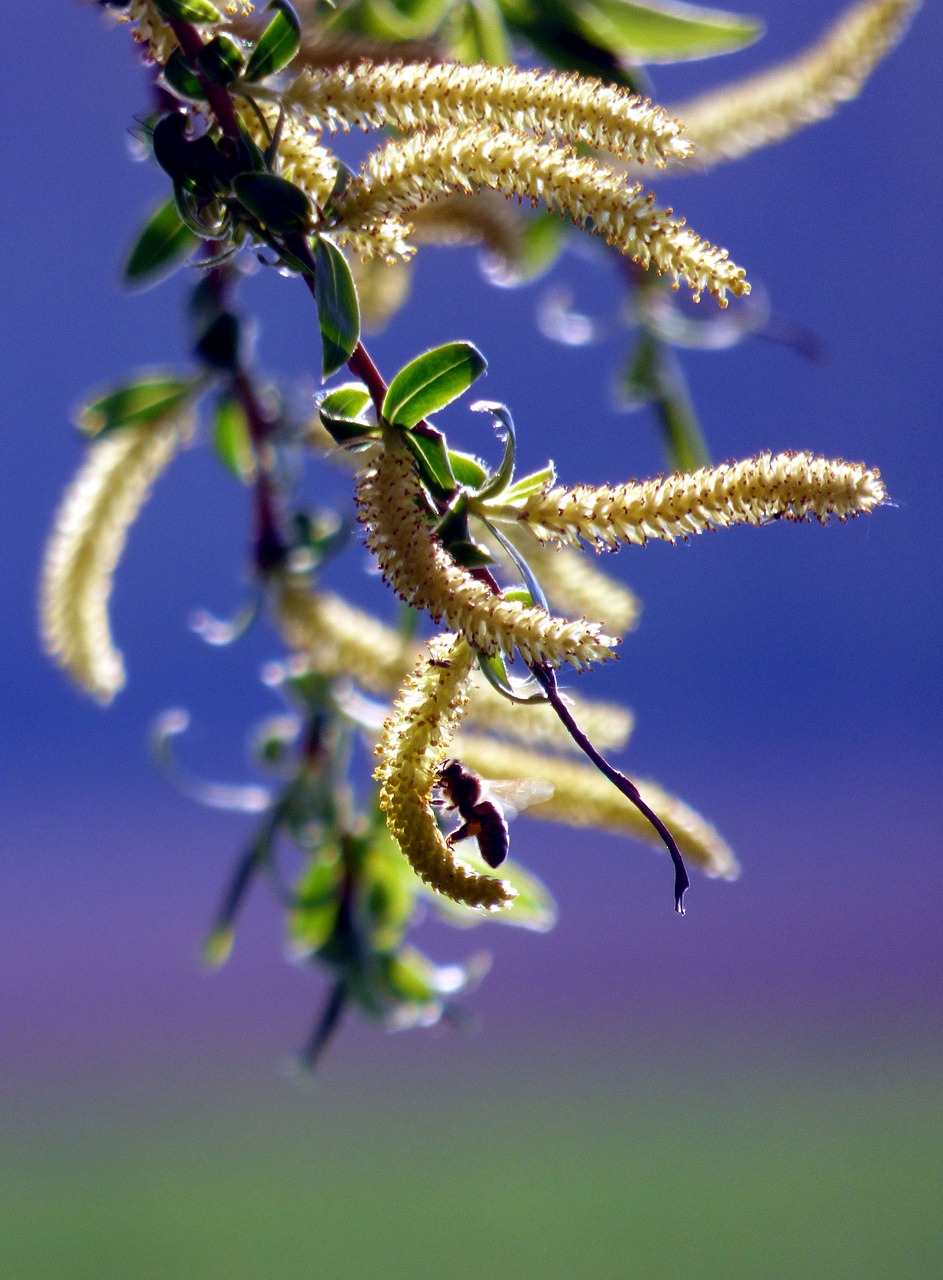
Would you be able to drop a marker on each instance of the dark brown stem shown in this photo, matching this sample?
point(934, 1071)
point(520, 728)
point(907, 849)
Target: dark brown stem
point(545, 677)
point(270, 545)
point(220, 103)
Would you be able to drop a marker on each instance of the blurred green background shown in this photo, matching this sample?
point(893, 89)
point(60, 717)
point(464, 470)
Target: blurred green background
point(608, 1167)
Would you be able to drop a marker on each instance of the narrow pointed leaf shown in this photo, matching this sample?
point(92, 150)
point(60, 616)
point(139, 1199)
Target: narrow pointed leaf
point(349, 401)
point(342, 413)
point(232, 440)
point(162, 246)
point(530, 581)
point(181, 79)
point(434, 464)
point(338, 309)
point(221, 60)
point(432, 381)
point(467, 470)
point(200, 11)
point(386, 20)
point(479, 34)
point(277, 44)
point(505, 473)
point(147, 398)
point(665, 30)
point(277, 203)
point(527, 485)
point(654, 376)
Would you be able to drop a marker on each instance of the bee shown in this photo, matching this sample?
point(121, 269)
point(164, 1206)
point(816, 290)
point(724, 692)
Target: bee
point(483, 817)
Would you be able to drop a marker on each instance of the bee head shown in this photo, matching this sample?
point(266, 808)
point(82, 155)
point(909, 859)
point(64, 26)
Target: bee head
point(450, 770)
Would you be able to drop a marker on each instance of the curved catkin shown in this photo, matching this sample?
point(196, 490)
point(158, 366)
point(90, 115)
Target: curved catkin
point(730, 122)
point(413, 743)
point(408, 172)
point(583, 797)
point(787, 486)
point(428, 95)
point(420, 570)
point(87, 539)
point(339, 639)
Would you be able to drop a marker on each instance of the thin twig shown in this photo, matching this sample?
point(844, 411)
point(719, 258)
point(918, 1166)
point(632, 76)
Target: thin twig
point(545, 677)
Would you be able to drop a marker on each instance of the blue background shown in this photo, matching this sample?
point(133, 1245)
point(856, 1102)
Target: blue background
point(786, 681)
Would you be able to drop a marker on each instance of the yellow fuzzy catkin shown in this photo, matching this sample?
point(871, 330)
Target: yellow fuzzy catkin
point(574, 586)
point(427, 95)
point(788, 486)
point(582, 797)
point(413, 744)
point(730, 122)
point(420, 570)
point(408, 172)
point(301, 158)
point(303, 161)
point(339, 639)
point(606, 724)
point(86, 542)
point(482, 218)
point(150, 30)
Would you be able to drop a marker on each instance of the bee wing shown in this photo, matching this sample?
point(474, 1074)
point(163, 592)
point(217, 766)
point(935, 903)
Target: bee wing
point(516, 794)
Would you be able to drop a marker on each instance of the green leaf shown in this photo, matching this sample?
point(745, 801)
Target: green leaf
point(338, 310)
point(411, 977)
point(218, 946)
point(432, 381)
point(542, 242)
point(435, 468)
point(277, 44)
point(148, 398)
point(232, 439)
point(181, 79)
point(342, 179)
point(278, 204)
point(311, 922)
point(505, 473)
point(348, 402)
point(654, 376)
point(386, 20)
point(530, 581)
point(221, 60)
point(466, 469)
point(161, 247)
point(469, 554)
point(534, 483)
point(664, 30)
point(495, 672)
point(199, 11)
point(342, 413)
point(477, 34)
point(551, 27)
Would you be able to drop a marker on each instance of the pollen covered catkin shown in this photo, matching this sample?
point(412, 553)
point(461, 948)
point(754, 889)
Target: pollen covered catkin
point(730, 122)
point(436, 95)
point(408, 172)
point(413, 743)
point(788, 486)
point(85, 545)
point(417, 566)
